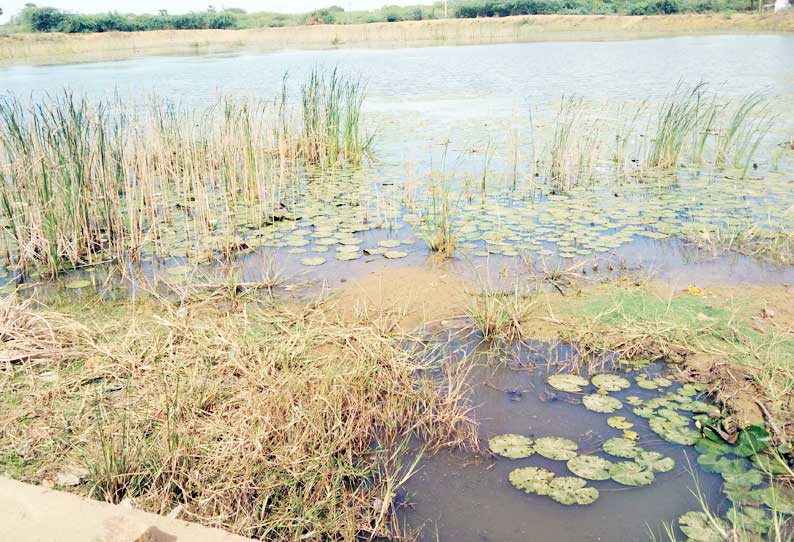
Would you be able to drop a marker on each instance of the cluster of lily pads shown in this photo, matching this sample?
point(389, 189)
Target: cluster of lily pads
point(747, 466)
point(639, 467)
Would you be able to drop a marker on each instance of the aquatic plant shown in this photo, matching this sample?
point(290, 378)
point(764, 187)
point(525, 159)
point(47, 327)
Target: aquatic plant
point(84, 182)
point(573, 146)
point(676, 119)
point(439, 222)
point(511, 446)
point(331, 109)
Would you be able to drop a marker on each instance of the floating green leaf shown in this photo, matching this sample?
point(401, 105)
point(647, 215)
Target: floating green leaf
point(590, 467)
point(655, 461)
point(531, 479)
point(601, 403)
point(313, 261)
point(750, 519)
point(752, 440)
point(77, 284)
point(389, 243)
point(567, 382)
point(619, 422)
point(621, 447)
point(511, 446)
point(610, 382)
point(709, 447)
point(630, 473)
point(556, 448)
point(779, 499)
point(569, 490)
point(178, 270)
point(394, 254)
point(700, 527)
point(673, 431)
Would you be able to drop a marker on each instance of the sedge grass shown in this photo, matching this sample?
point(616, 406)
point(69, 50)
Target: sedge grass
point(83, 182)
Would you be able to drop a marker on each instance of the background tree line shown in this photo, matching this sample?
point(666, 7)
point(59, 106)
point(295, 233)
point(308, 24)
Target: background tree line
point(34, 18)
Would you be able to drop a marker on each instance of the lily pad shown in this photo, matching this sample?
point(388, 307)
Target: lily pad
point(619, 422)
point(630, 473)
point(531, 479)
point(394, 254)
point(567, 382)
point(770, 463)
point(610, 382)
point(645, 383)
point(779, 499)
point(644, 412)
point(557, 448)
point(710, 447)
point(389, 243)
point(673, 432)
point(699, 527)
point(655, 461)
point(621, 447)
point(569, 490)
point(345, 256)
point(633, 400)
point(750, 519)
point(590, 467)
point(752, 440)
point(313, 261)
point(178, 270)
point(511, 446)
point(601, 403)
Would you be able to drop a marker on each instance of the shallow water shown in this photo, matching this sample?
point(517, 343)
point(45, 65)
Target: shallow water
point(454, 497)
point(469, 97)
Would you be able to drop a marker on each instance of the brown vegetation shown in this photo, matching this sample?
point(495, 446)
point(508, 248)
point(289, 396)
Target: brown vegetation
point(67, 48)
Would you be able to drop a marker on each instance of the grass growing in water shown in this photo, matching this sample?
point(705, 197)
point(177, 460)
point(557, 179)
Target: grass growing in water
point(331, 106)
point(83, 182)
point(439, 222)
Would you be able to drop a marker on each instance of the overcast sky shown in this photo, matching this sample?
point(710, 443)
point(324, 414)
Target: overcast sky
point(181, 6)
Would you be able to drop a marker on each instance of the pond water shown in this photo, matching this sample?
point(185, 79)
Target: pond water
point(462, 110)
point(456, 498)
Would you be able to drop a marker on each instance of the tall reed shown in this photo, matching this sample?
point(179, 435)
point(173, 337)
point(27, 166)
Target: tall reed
point(84, 181)
point(331, 107)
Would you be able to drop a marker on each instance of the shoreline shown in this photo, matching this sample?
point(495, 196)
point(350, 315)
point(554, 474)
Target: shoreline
point(38, 49)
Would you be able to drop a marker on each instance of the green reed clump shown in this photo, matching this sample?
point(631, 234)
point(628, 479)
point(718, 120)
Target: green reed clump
point(573, 146)
point(439, 223)
point(86, 181)
point(331, 107)
point(740, 138)
point(676, 120)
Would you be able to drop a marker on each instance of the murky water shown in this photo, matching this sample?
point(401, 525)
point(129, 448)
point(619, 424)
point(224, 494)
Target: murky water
point(425, 103)
point(454, 497)
point(458, 101)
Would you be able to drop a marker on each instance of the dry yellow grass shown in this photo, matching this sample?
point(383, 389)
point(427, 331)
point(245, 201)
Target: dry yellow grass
point(65, 48)
point(275, 422)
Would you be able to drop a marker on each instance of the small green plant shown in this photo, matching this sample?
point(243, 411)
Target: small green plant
point(439, 222)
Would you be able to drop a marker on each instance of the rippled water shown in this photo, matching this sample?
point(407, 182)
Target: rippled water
point(463, 99)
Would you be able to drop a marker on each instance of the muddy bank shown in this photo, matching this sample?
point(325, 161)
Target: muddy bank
point(49, 48)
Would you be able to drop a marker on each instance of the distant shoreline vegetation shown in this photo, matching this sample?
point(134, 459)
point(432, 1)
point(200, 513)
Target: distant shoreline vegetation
point(40, 19)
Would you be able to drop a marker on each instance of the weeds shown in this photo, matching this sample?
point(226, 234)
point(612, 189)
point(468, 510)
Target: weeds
point(86, 182)
point(439, 223)
point(273, 422)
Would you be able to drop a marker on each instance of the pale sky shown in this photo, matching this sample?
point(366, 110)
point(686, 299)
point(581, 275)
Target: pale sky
point(11, 7)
